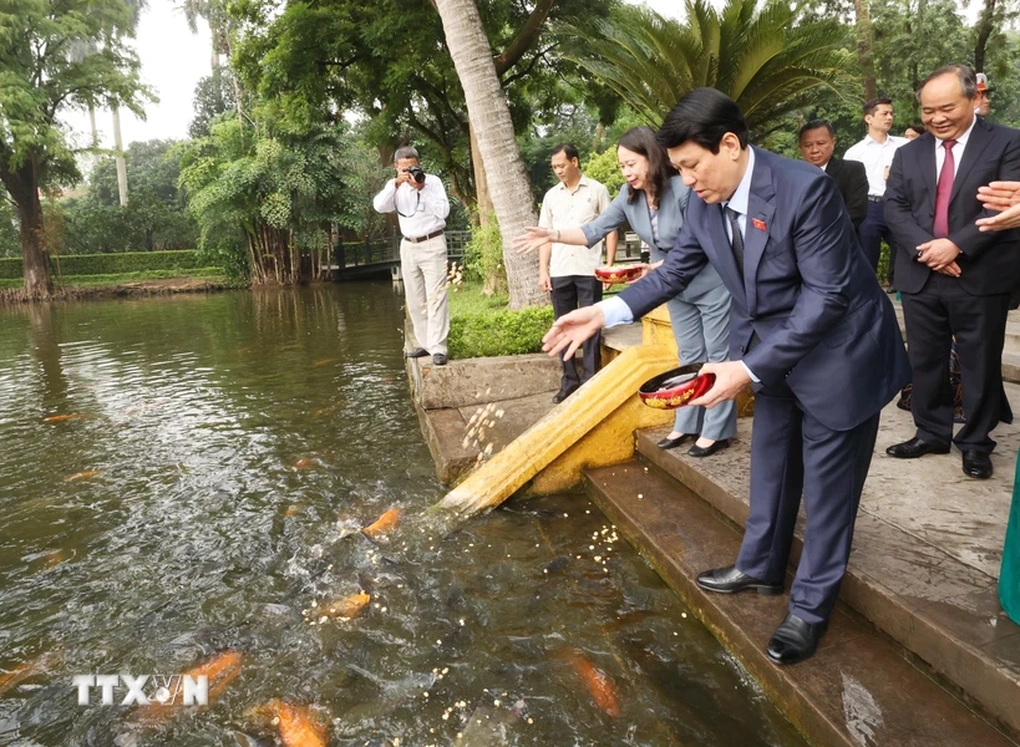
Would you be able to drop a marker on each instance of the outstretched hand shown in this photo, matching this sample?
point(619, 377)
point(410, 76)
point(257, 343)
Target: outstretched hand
point(571, 330)
point(1003, 197)
point(532, 238)
point(731, 378)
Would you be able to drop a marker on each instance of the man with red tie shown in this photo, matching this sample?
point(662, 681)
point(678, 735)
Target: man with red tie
point(955, 279)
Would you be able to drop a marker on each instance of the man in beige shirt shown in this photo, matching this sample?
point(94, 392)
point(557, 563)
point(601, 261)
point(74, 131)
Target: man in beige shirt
point(568, 271)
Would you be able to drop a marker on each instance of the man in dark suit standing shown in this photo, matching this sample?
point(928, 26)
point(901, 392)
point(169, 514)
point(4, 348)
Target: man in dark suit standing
point(955, 279)
point(817, 142)
point(810, 327)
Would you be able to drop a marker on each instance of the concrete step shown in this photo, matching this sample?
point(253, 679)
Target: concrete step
point(857, 690)
point(914, 588)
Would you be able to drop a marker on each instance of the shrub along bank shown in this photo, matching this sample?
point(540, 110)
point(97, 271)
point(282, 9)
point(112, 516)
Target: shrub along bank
point(182, 260)
point(482, 326)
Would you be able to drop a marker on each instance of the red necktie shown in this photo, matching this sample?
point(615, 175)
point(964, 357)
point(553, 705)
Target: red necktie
point(943, 191)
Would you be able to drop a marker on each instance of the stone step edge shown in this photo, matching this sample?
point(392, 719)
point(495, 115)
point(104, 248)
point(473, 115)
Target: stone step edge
point(965, 667)
point(805, 702)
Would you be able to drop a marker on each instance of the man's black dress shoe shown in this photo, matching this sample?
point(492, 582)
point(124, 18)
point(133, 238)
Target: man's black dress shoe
point(672, 443)
point(914, 448)
point(704, 451)
point(439, 359)
point(729, 580)
point(794, 640)
point(562, 395)
point(977, 464)
point(417, 353)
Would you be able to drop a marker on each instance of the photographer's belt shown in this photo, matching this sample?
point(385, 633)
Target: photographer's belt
point(433, 235)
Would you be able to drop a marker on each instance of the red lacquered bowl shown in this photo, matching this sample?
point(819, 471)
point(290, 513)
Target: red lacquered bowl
point(676, 388)
point(618, 273)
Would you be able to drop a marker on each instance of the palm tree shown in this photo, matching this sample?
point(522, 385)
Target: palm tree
point(760, 57)
point(491, 125)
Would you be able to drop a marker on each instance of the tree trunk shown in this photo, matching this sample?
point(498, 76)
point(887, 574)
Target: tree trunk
point(983, 32)
point(23, 187)
point(490, 122)
point(864, 38)
point(483, 199)
point(118, 150)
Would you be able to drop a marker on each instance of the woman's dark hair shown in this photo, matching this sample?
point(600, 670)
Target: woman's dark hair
point(917, 127)
point(703, 116)
point(641, 140)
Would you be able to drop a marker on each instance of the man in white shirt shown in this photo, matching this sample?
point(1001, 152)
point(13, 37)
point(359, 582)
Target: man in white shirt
point(568, 271)
point(422, 207)
point(876, 152)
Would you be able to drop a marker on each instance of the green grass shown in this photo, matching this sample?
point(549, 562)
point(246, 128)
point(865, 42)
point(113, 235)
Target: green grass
point(88, 281)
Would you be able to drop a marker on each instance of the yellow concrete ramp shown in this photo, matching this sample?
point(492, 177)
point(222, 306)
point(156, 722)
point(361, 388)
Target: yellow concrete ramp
point(594, 427)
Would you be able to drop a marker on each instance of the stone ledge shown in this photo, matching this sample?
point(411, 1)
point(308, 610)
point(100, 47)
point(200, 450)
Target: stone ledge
point(858, 690)
point(481, 380)
point(943, 610)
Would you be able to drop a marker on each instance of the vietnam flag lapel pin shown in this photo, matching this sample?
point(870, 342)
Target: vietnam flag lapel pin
point(758, 223)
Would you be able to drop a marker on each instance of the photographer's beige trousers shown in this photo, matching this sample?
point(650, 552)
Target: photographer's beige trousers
point(425, 278)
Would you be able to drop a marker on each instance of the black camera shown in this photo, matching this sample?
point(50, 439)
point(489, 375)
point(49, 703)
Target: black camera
point(418, 173)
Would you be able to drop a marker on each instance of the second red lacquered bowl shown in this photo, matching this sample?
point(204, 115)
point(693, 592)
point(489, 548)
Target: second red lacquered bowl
point(618, 273)
point(676, 387)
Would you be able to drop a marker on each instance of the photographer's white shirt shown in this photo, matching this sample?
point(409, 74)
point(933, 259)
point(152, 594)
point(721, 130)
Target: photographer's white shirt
point(420, 211)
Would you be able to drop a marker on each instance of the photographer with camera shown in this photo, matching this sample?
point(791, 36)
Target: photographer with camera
point(422, 207)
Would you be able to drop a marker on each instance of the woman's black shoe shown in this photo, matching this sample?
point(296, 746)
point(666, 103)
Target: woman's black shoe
point(672, 443)
point(704, 451)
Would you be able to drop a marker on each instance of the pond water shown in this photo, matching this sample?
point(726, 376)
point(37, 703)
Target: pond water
point(181, 478)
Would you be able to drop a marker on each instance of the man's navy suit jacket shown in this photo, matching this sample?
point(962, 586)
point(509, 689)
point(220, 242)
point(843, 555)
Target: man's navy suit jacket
point(990, 262)
point(807, 310)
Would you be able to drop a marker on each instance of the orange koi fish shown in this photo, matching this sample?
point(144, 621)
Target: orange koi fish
point(304, 463)
point(23, 671)
point(221, 669)
point(383, 525)
point(62, 418)
point(600, 685)
point(85, 475)
point(347, 607)
point(323, 362)
point(298, 726)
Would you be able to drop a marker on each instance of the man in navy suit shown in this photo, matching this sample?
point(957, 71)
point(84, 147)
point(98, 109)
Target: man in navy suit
point(955, 279)
point(811, 331)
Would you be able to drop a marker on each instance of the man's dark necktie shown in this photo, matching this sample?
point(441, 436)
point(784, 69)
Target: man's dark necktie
point(736, 238)
point(943, 191)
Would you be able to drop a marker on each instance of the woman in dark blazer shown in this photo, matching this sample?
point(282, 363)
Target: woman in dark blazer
point(653, 203)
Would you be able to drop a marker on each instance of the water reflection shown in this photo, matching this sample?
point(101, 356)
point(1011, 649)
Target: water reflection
point(230, 447)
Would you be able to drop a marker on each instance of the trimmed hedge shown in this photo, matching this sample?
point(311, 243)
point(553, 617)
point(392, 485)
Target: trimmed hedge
point(112, 264)
point(499, 332)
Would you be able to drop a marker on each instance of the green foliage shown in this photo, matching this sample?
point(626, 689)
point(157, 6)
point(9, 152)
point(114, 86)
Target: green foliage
point(605, 167)
point(484, 331)
point(182, 262)
point(483, 256)
point(156, 216)
point(56, 57)
point(912, 38)
point(762, 57)
point(387, 61)
point(10, 243)
point(262, 196)
point(214, 98)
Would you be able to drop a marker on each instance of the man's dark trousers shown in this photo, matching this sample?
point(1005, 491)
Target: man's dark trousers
point(830, 471)
point(568, 293)
point(871, 233)
point(941, 310)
